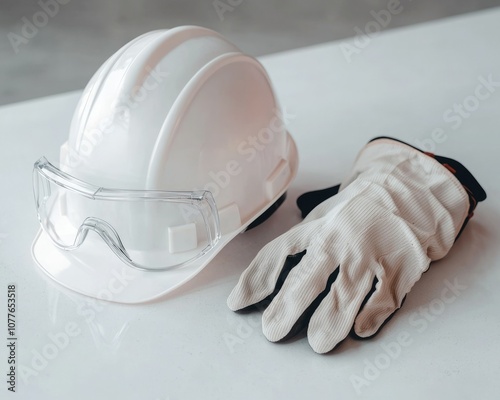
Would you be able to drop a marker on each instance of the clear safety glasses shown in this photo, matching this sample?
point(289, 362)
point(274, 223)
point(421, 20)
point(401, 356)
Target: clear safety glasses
point(147, 229)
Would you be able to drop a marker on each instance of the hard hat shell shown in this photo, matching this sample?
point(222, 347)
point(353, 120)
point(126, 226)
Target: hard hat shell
point(178, 110)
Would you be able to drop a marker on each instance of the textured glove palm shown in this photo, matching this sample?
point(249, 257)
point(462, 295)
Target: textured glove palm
point(399, 210)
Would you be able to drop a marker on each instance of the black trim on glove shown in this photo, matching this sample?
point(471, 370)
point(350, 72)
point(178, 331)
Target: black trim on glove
point(308, 201)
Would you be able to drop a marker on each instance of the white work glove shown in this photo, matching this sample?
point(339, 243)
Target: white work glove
point(398, 210)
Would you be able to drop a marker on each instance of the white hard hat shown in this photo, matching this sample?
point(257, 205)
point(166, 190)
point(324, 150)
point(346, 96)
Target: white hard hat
point(177, 145)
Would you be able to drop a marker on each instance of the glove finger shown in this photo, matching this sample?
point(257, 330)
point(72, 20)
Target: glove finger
point(302, 286)
point(303, 321)
point(335, 316)
point(259, 280)
point(392, 287)
point(290, 262)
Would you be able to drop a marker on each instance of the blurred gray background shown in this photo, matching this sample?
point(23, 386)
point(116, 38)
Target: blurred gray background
point(71, 43)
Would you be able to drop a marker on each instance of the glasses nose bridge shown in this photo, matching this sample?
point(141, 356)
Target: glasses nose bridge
point(105, 231)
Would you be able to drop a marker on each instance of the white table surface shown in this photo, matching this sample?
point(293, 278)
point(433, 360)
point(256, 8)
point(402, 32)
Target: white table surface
point(188, 345)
